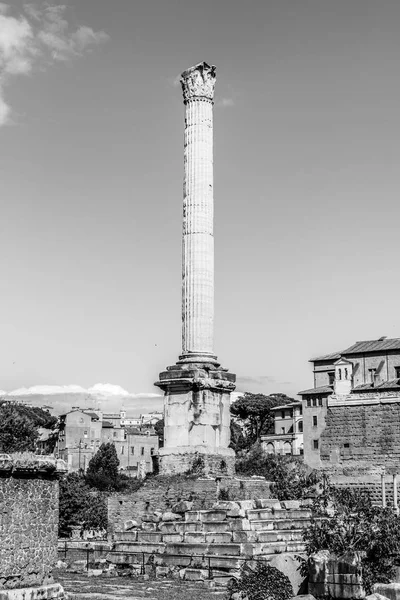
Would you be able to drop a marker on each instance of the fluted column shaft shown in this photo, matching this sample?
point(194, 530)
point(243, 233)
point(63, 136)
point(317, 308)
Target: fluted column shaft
point(198, 240)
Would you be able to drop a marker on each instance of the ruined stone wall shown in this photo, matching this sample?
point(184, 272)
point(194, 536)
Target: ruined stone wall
point(28, 520)
point(161, 493)
point(362, 431)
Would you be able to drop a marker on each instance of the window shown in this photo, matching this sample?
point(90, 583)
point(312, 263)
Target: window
point(151, 451)
point(339, 373)
point(315, 444)
point(314, 402)
point(372, 375)
point(331, 377)
point(142, 450)
point(397, 369)
point(85, 433)
point(346, 445)
point(319, 401)
point(122, 449)
point(300, 426)
point(282, 430)
point(132, 449)
point(301, 410)
point(308, 402)
point(282, 414)
point(315, 420)
point(115, 434)
point(346, 374)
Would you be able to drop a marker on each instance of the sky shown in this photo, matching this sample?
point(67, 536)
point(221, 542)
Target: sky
point(306, 154)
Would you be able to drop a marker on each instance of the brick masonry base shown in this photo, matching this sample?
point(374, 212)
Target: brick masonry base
point(183, 460)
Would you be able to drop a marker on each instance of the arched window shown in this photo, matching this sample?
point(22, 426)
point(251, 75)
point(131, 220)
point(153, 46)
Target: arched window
point(287, 448)
point(340, 373)
point(270, 448)
point(346, 373)
point(300, 426)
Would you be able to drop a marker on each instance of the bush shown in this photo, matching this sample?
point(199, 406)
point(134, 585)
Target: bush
point(262, 582)
point(292, 479)
point(347, 521)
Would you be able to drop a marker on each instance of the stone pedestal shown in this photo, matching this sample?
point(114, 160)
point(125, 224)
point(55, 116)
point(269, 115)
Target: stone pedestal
point(197, 419)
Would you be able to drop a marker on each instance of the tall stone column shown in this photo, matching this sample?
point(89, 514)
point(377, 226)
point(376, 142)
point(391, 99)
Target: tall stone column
point(197, 389)
point(198, 214)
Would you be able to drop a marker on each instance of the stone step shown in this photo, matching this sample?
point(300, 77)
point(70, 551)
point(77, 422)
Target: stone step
point(149, 536)
point(259, 514)
point(288, 513)
point(205, 516)
point(139, 547)
point(208, 538)
point(287, 524)
point(184, 527)
point(199, 548)
point(274, 535)
point(201, 561)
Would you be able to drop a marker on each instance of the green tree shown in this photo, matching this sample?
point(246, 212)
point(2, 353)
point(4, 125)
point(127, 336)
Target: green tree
point(255, 412)
point(19, 426)
point(80, 505)
point(102, 471)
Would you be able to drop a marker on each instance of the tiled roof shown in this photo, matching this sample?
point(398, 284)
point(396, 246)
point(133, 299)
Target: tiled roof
point(333, 356)
point(290, 405)
point(107, 425)
point(392, 384)
point(373, 346)
point(325, 389)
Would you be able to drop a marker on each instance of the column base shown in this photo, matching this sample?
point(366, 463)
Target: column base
point(197, 417)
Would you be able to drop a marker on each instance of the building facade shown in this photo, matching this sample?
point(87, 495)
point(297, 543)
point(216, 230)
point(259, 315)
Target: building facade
point(82, 432)
point(351, 412)
point(288, 430)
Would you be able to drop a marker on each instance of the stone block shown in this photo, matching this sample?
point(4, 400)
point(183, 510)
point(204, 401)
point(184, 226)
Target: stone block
point(170, 516)
point(131, 524)
point(242, 537)
point(196, 574)
point(196, 537)
point(291, 504)
point(151, 518)
point(389, 590)
point(167, 527)
point(208, 516)
point(149, 536)
point(219, 538)
point(187, 526)
point(247, 504)
point(147, 526)
point(44, 592)
point(162, 571)
point(95, 572)
point(268, 503)
point(239, 524)
point(259, 514)
point(216, 526)
point(126, 536)
point(232, 509)
point(261, 525)
point(172, 538)
point(301, 513)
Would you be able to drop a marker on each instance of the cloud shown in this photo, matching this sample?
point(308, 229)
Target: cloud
point(38, 38)
point(224, 103)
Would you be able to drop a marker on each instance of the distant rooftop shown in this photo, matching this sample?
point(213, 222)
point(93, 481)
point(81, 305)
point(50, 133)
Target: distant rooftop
point(324, 389)
point(381, 345)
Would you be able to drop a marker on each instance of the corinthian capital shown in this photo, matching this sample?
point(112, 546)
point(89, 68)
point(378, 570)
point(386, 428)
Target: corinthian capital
point(198, 82)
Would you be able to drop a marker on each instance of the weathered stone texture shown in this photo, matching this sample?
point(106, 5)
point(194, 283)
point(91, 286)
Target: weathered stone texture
point(160, 494)
point(28, 523)
point(368, 432)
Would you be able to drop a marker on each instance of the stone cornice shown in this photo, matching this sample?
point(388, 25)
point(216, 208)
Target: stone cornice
point(198, 83)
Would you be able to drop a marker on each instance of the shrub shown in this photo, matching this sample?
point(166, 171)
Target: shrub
point(347, 521)
point(292, 479)
point(262, 582)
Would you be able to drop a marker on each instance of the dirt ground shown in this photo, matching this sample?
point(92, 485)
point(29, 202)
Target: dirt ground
point(82, 587)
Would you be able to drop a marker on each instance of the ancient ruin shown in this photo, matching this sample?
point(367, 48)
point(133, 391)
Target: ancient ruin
point(197, 389)
point(29, 526)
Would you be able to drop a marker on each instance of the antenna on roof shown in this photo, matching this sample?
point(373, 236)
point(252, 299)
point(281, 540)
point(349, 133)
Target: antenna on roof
point(382, 338)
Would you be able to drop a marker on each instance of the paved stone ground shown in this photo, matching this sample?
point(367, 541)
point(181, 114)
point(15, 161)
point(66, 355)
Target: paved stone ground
point(81, 587)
